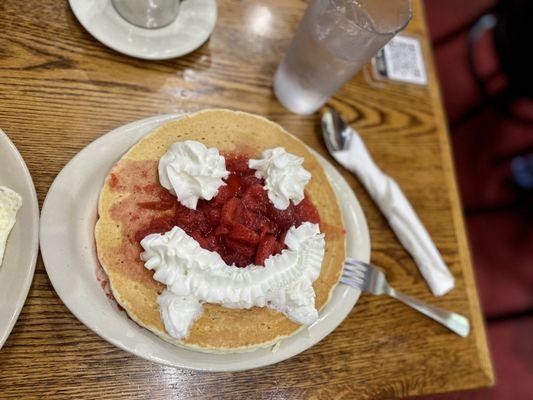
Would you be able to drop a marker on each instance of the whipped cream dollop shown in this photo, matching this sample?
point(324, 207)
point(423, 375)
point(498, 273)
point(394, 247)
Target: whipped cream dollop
point(194, 275)
point(178, 312)
point(191, 171)
point(285, 178)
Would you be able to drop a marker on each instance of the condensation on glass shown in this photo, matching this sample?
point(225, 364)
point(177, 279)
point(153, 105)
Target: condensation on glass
point(334, 40)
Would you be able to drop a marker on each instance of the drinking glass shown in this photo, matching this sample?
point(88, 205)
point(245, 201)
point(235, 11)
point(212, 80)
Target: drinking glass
point(334, 40)
point(148, 13)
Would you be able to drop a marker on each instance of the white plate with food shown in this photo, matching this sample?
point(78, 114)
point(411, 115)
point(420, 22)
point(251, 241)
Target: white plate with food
point(193, 26)
point(19, 234)
point(114, 162)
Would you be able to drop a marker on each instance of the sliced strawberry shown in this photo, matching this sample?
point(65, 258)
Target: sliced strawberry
point(157, 225)
point(256, 199)
point(229, 210)
point(211, 243)
point(284, 219)
point(214, 216)
point(243, 234)
point(252, 220)
point(196, 235)
point(239, 214)
point(239, 247)
point(223, 195)
point(237, 164)
point(233, 184)
point(240, 260)
point(265, 249)
point(200, 222)
point(192, 221)
point(184, 215)
point(266, 229)
point(221, 230)
point(251, 180)
point(307, 211)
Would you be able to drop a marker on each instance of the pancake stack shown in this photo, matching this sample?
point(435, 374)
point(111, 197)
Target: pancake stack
point(133, 181)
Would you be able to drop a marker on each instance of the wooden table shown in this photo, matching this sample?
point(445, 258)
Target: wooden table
point(60, 89)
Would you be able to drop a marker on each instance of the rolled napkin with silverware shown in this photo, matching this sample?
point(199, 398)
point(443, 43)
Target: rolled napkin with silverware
point(347, 147)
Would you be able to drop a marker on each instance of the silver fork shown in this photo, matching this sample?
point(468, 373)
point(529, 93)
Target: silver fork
point(371, 279)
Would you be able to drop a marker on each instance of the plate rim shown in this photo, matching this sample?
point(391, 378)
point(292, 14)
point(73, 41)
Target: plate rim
point(34, 205)
point(139, 124)
point(112, 45)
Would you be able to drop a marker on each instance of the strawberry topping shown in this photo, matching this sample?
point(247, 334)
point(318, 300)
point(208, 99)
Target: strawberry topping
point(240, 222)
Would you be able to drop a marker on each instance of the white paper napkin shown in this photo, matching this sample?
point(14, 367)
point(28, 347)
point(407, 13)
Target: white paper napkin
point(401, 216)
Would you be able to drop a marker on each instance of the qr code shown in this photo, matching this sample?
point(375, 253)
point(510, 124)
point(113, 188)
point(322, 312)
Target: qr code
point(403, 60)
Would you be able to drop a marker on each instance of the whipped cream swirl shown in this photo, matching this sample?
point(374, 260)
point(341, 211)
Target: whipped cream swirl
point(285, 178)
point(191, 171)
point(194, 275)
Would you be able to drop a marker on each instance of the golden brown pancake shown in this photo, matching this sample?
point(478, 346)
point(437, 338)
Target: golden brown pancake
point(134, 180)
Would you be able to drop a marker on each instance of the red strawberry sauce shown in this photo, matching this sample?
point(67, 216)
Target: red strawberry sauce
point(240, 223)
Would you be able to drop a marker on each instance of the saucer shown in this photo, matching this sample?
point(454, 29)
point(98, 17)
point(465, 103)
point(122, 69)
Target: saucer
point(193, 26)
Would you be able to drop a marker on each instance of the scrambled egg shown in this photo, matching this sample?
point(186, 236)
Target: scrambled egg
point(10, 202)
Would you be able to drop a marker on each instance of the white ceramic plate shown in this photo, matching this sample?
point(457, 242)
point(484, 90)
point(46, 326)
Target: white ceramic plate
point(16, 271)
point(68, 251)
point(195, 22)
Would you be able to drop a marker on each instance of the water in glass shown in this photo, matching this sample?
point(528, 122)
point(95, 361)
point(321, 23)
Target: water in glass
point(334, 40)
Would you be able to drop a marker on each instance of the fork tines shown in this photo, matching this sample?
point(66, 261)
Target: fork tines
point(354, 273)
point(357, 264)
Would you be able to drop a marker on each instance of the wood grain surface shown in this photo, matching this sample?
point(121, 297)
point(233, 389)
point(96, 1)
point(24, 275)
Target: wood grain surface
point(60, 89)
